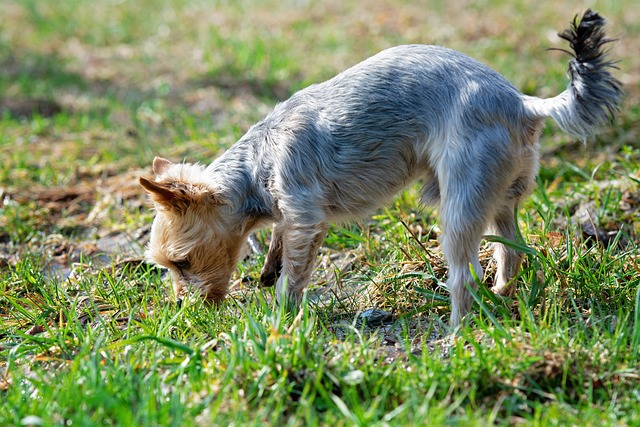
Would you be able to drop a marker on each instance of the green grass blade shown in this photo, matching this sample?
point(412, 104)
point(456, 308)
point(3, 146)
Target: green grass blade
point(517, 246)
point(635, 335)
point(483, 306)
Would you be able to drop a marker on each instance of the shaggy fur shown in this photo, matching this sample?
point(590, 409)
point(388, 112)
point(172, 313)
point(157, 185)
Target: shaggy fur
point(340, 149)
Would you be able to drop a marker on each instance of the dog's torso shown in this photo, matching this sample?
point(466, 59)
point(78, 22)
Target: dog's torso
point(342, 148)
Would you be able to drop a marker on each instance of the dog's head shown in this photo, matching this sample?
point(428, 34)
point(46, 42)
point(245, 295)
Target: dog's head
point(193, 232)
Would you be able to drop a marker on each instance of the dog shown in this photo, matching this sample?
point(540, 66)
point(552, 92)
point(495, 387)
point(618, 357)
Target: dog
point(338, 150)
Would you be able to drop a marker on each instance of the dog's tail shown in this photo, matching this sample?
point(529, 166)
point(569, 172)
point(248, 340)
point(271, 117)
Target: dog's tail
point(593, 95)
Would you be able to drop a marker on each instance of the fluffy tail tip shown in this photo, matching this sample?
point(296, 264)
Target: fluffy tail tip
point(597, 93)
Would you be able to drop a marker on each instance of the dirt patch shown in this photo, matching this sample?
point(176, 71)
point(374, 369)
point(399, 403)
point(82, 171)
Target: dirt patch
point(27, 108)
point(82, 222)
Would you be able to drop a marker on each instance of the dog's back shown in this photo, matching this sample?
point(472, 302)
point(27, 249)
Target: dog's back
point(369, 131)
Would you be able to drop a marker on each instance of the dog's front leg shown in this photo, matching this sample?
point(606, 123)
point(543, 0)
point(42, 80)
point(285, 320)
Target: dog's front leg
point(300, 246)
point(273, 261)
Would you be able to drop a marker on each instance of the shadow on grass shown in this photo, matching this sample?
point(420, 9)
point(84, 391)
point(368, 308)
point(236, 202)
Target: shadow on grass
point(29, 80)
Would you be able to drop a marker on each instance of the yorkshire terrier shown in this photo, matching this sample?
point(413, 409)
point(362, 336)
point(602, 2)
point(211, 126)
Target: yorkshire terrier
point(338, 150)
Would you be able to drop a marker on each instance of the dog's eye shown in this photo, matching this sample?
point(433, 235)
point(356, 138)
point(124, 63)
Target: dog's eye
point(182, 264)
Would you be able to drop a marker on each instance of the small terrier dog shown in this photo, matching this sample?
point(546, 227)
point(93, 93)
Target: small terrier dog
point(340, 149)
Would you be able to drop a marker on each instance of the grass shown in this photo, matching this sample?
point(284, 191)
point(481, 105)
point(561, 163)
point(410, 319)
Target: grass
point(90, 335)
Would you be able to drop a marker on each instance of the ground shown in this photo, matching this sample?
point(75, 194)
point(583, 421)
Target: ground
point(90, 92)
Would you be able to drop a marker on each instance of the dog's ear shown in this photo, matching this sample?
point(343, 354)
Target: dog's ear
point(161, 194)
point(160, 165)
point(177, 196)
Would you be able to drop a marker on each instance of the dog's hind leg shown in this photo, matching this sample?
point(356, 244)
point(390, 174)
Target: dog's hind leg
point(507, 259)
point(461, 235)
point(504, 223)
point(300, 246)
point(273, 261)
point(474, 175)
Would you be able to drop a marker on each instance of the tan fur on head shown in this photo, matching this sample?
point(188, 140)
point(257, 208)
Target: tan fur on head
point(179, 186)
point(176, 197)
point(188, 236)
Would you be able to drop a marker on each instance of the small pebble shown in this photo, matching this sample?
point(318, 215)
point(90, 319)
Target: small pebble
point(31, 420)
point(375, 317)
